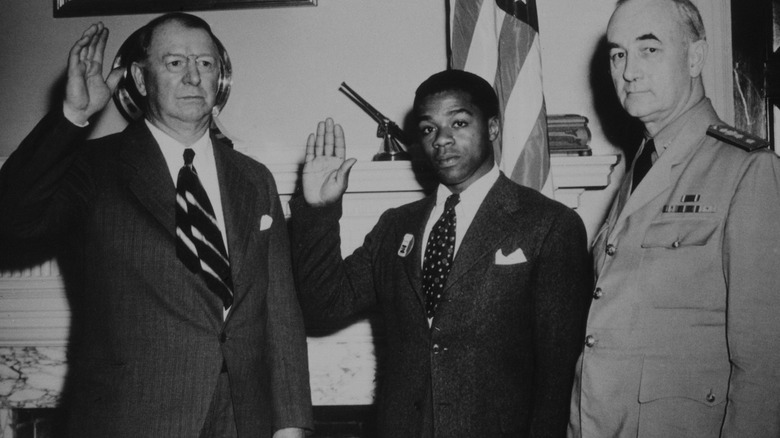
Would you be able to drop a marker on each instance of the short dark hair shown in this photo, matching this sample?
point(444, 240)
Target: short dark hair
point(189, 21)
point(482, 94)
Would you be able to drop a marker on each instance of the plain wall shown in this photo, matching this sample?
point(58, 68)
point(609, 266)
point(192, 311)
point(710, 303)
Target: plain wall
point(289, 62)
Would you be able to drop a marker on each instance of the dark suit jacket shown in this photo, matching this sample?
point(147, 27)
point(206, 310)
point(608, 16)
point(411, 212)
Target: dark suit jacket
point(499, 359)
point(149, 338)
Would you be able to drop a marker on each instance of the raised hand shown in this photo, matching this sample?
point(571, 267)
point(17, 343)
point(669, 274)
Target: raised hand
point(86, 91)
point(325, 171)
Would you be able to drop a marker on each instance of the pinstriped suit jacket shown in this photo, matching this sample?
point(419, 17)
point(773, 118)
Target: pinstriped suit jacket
point(148, 337)
point(499, 359)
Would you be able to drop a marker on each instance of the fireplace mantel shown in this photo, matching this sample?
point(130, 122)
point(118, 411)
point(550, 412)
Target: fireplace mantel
point(34, 319)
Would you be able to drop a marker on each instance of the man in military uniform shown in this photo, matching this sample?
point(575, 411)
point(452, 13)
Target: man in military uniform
point(682, 338)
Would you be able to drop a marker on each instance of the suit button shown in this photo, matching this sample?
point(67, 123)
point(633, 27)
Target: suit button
point(222, 338)
point(590, 341)
point(435, 348)
point(676, 244)
point(710, 397)
point(598, 293)
point(611, 249)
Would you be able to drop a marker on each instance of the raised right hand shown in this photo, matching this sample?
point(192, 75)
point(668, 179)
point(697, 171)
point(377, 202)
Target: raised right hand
point(86, 91)
point(325, 171)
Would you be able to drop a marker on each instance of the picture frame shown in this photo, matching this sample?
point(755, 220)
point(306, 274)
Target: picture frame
point(82, 8)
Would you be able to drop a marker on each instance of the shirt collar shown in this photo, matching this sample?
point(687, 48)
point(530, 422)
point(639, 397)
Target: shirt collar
point(474, 193)
point(172, 150)
point(665, 137)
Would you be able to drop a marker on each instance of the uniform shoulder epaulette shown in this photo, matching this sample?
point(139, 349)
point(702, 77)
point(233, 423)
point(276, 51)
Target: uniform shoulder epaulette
point(735, 137)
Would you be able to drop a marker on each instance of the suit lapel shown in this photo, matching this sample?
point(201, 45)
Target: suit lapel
point(147, 175)
point(487, 231)
point(415, 225)
point(239, 204)
point(691, 128)
point(656, 181)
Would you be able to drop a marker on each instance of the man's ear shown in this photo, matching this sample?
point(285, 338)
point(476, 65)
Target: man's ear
point(494, 128)
point(138, 77)
point(697, 55)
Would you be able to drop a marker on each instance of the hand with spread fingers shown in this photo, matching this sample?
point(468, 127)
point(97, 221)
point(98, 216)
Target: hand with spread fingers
point(87, 92)
point(326, 171)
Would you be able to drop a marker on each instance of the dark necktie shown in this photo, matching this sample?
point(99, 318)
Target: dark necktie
point(439, 254)
point(643, 164)
point(199, 242)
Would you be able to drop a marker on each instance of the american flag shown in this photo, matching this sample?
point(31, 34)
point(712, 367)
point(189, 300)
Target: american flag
point(499, 40)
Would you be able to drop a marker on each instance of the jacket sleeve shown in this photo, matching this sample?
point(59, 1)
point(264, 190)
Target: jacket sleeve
point(286, 338)
point(751, 255)
point(563, 288)
point(330, 287)
point(36, 197)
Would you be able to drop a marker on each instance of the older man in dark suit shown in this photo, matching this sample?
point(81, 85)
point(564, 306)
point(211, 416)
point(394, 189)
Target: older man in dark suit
point(483, 295)
point(189, 321)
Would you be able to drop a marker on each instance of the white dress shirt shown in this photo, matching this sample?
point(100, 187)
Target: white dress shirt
point(470, 200)
point(204, 164)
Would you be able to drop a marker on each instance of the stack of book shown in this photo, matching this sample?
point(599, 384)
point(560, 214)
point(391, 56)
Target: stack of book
point(568, 134)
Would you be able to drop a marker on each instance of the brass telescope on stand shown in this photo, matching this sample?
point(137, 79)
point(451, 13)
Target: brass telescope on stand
point(393, 138)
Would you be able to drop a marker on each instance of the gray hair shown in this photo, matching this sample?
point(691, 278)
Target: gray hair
point(689, 16)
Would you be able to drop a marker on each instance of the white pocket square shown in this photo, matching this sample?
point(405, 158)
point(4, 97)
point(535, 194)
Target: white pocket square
point(265, 222)
point(510, 259)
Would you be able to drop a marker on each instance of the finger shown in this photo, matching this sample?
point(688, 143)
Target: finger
point(93, 41)
point(329, 138)
point(100, 47)
point(319, 144)
point(339, 145)
point(310, 148)
point(77, 52)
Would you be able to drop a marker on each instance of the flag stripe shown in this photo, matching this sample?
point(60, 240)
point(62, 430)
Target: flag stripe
point(505, 49)
point(463, 17)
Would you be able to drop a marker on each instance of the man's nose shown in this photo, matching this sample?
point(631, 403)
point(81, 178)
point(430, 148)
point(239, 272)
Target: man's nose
point(632, 68)
point(443, 138)
point(192, 75)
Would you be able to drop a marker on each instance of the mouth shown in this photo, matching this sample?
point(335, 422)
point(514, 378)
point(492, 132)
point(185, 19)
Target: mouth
point(634, 92)
point(444, 162)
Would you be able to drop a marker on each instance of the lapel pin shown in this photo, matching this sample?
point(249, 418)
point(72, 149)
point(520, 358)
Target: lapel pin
point(406, 245)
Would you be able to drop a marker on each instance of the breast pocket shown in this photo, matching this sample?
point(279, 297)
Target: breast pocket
point(674, 233)
point(681, 265)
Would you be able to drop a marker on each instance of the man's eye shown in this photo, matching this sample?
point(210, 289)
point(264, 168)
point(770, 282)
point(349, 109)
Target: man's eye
point(425, 130)
point(460, 124)
point(206, 64)
point(616, 56)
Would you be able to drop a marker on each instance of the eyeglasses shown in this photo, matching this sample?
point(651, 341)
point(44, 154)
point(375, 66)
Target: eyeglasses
point(180, 63)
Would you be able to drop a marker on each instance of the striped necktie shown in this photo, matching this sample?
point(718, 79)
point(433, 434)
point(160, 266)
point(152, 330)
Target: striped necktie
point(439, 253)
point(199, 243)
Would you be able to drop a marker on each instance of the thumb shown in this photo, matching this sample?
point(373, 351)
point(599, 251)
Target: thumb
point(343, 173)
point(114, 77)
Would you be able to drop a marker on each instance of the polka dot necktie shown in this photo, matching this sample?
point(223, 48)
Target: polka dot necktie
point(439, 254)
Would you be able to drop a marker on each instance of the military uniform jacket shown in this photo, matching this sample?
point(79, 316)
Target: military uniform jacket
point(683, 335)
point(499, 358)
point(148, 338)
